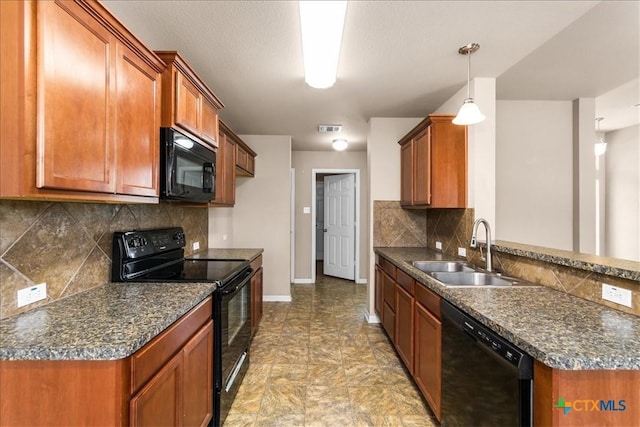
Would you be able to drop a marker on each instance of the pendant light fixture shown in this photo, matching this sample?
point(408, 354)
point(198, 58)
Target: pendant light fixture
point(601, 145)
point(469, 113)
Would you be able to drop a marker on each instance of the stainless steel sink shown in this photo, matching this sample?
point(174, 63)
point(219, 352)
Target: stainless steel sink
point(470, 278)
point(442, 266)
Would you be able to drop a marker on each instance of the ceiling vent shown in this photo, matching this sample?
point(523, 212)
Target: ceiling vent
point(329, 128)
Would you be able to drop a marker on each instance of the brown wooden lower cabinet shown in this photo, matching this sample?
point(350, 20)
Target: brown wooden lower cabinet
point(428, 348)
point(410, 316)
point(169, 381)
point(159, 403)
point(596, 398)
point(404, 338)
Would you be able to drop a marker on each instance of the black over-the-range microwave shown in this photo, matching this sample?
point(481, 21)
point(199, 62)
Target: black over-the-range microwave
point(187, 168)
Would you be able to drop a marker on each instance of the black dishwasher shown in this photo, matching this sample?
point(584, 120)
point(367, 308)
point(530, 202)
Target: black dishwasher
point(486, 380)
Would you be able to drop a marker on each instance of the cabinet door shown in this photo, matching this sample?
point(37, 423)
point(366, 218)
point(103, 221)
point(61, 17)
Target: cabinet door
point(256, 300)
point(230, 172)
point(241, 157)
point(378, 292)
point(404, 326)
point(449, 166)
point(251, 165)
point(76, 99)
point(188, 105)
point(209, 123)
point(422, 168)
point(137, 125)
point(406, 174)
point(159, 401)
point(389, 320)
point(198, 378)
point(427, 370)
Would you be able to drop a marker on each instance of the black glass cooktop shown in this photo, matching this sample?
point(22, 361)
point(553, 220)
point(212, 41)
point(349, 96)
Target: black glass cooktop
point(197, 271)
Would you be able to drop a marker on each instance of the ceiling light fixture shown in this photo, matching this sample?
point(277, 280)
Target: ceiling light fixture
point(321, 23)
point(339, 144)
point(469, 113)
point(601, 145)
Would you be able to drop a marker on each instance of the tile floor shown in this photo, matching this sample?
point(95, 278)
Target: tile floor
point(316, 362)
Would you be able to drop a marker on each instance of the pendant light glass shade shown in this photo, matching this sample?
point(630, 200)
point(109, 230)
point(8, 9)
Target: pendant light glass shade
point(469, 113)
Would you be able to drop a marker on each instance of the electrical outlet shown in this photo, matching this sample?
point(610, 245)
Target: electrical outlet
point(462, 252)
point(617, 295)
point(32, 294)
point(196, 246)
point(438, 245)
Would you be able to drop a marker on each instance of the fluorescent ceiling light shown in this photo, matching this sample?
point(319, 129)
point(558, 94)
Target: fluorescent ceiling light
point(322, 23)
point(339, 144)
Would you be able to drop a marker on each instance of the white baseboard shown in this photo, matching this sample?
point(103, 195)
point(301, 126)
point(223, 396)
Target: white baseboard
point(276, 298)
point(361, 281)
point(372, 318)
point(302, 282)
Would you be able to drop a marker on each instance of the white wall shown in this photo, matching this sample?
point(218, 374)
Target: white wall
point(303, 162)
point(221, 227)
point(534, 173)
point(261, 216)
point(622, 230)
point(383, 164)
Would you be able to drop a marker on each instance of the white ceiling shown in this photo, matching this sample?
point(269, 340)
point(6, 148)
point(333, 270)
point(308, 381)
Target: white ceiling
point(398, 59)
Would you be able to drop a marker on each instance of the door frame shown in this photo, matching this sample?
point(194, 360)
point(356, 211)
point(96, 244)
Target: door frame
point(356, 223)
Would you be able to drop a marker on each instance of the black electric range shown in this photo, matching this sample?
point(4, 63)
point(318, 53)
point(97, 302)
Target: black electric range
point(158, 256)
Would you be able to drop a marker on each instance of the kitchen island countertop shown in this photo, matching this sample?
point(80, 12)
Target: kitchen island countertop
point(108, 322)
point(560, 330)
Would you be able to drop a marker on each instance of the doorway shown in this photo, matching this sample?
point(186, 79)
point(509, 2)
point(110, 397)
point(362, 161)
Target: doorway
point(344, 236)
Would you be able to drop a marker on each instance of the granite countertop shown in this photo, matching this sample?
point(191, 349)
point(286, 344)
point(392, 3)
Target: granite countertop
point(109, 322)
point(625, 269)
point(560, 330)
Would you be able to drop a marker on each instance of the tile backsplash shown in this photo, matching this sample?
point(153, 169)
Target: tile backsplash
point(397, 227)
point(68, 245)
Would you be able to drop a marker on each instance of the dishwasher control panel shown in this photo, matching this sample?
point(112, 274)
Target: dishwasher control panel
point(491, 340)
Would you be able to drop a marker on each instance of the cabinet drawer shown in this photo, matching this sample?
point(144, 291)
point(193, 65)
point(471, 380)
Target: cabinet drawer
point(150, 358)
point(405, 281)
point(428, 299)
point(388, 267)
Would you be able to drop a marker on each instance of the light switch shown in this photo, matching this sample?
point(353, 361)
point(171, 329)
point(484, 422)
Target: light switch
point(306, 210)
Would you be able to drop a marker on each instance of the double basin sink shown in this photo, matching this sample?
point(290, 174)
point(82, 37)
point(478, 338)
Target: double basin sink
point(463, 274)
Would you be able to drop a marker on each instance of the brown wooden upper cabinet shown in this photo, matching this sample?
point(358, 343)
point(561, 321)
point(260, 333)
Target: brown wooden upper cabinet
point(245, 160)
point(225, 168)
point(433, 164)
point(80, 107)
point(234, 158)
point(187, 103)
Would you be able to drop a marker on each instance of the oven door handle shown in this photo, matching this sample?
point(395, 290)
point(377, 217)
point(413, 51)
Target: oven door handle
point(240, 285)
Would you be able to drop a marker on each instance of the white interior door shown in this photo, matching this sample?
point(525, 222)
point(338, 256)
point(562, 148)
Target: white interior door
point(320, 221)
point(339, 226)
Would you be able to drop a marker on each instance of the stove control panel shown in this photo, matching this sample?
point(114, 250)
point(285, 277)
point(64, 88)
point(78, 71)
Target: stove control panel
point(142, 243)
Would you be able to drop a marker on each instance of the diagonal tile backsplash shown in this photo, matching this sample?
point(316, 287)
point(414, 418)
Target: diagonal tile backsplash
point(68, 245)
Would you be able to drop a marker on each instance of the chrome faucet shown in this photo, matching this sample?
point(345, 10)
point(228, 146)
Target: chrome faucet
point(474, 239)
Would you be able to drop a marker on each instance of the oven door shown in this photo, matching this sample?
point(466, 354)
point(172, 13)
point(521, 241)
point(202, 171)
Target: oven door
point(188, 168)
point(235, 335)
